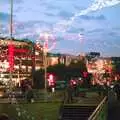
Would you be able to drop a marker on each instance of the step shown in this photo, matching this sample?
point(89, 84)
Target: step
point(76, 112)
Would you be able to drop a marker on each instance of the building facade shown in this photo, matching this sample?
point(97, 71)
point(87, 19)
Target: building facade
point(19, 58)
point(99, 65)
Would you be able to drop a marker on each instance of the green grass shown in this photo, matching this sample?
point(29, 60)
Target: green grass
point(39, 111)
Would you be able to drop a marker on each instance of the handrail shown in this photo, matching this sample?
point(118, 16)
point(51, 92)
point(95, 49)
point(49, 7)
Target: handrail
point(92, 117)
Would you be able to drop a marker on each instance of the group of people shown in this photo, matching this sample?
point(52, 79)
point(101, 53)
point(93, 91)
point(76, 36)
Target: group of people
point(70, 92)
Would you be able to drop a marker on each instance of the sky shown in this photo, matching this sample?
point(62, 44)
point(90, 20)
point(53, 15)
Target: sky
point(70, 26)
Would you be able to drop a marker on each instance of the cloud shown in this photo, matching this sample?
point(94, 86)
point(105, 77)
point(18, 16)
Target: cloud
point(52, 7)
point(113, 34)
point(30, 29)
point(65, 14)
point(50, 14)
point(4, 16)
point(35, 17)
point(116, 28)
point(86, 17)
point(78, 7)
point(98, 30)
point(76, 30)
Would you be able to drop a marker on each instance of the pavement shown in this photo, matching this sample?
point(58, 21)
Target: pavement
point(113, 107)
point(114, 111)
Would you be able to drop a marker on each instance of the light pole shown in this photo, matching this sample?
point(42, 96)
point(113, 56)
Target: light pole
point(11, 18)
point(45, 69)
point(11, 34)
point(46, 37)
point(45, 50)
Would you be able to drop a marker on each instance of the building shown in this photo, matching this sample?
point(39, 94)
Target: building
point(99, 65)
point(53, 59)
point(20, 57)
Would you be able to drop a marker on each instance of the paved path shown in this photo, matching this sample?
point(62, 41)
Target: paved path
point(114, 111)
point(113, 107)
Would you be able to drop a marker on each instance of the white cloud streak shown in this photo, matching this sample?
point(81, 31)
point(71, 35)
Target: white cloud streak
point(95, 6)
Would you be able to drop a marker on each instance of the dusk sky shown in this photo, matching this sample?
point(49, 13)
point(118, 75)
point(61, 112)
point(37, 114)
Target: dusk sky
point(76, 26)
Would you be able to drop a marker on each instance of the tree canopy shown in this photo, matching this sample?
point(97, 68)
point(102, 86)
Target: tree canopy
point(62, 72)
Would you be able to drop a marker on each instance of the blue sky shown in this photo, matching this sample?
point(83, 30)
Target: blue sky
point(76, 26)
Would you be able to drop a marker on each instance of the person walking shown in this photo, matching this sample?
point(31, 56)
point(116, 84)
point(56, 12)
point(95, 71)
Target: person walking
point(29, 94)
point(69, 94)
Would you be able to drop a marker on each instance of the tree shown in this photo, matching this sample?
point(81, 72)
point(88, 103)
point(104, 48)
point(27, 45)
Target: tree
point(116, 67)
point(58, 69)
point(61, 72)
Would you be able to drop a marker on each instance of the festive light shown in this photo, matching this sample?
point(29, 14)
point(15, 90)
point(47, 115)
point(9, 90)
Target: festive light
point(11, 56)
point(85, 74)
point(51, 81)
point(49, 41)
point(22, 51)
point(73, 82)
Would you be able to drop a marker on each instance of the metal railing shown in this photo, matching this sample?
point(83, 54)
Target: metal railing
point(100, 113)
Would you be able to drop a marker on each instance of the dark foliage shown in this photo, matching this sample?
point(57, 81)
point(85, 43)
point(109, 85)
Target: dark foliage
point(38, 79)
point(61, 72)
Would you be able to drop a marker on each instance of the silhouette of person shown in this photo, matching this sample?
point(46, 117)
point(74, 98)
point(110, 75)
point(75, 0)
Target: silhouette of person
point(117, 90)
point(30, 95)
point(69, 94)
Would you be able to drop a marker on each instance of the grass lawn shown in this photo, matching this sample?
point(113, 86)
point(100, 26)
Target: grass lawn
point(34, 111)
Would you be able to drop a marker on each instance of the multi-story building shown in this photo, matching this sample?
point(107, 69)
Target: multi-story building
point(18, 58)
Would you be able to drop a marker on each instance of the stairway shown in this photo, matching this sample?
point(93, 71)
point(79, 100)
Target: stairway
point(76, 112)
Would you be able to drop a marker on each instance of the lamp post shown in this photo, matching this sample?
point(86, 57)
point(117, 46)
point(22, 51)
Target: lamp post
point(46, 37)
point(11, 18)
point(45, 50)
point(11, 34)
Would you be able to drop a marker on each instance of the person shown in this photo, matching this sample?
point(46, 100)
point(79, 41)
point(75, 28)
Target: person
point(117, 90)
point(29, 94)
point(69, 94)
point(4, 117)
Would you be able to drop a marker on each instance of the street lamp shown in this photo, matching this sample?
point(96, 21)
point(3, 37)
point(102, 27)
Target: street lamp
point(45, 50)
point(46, 37)
point(11, 34)
point(11, 18)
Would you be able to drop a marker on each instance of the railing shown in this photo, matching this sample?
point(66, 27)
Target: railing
point(100, 113)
